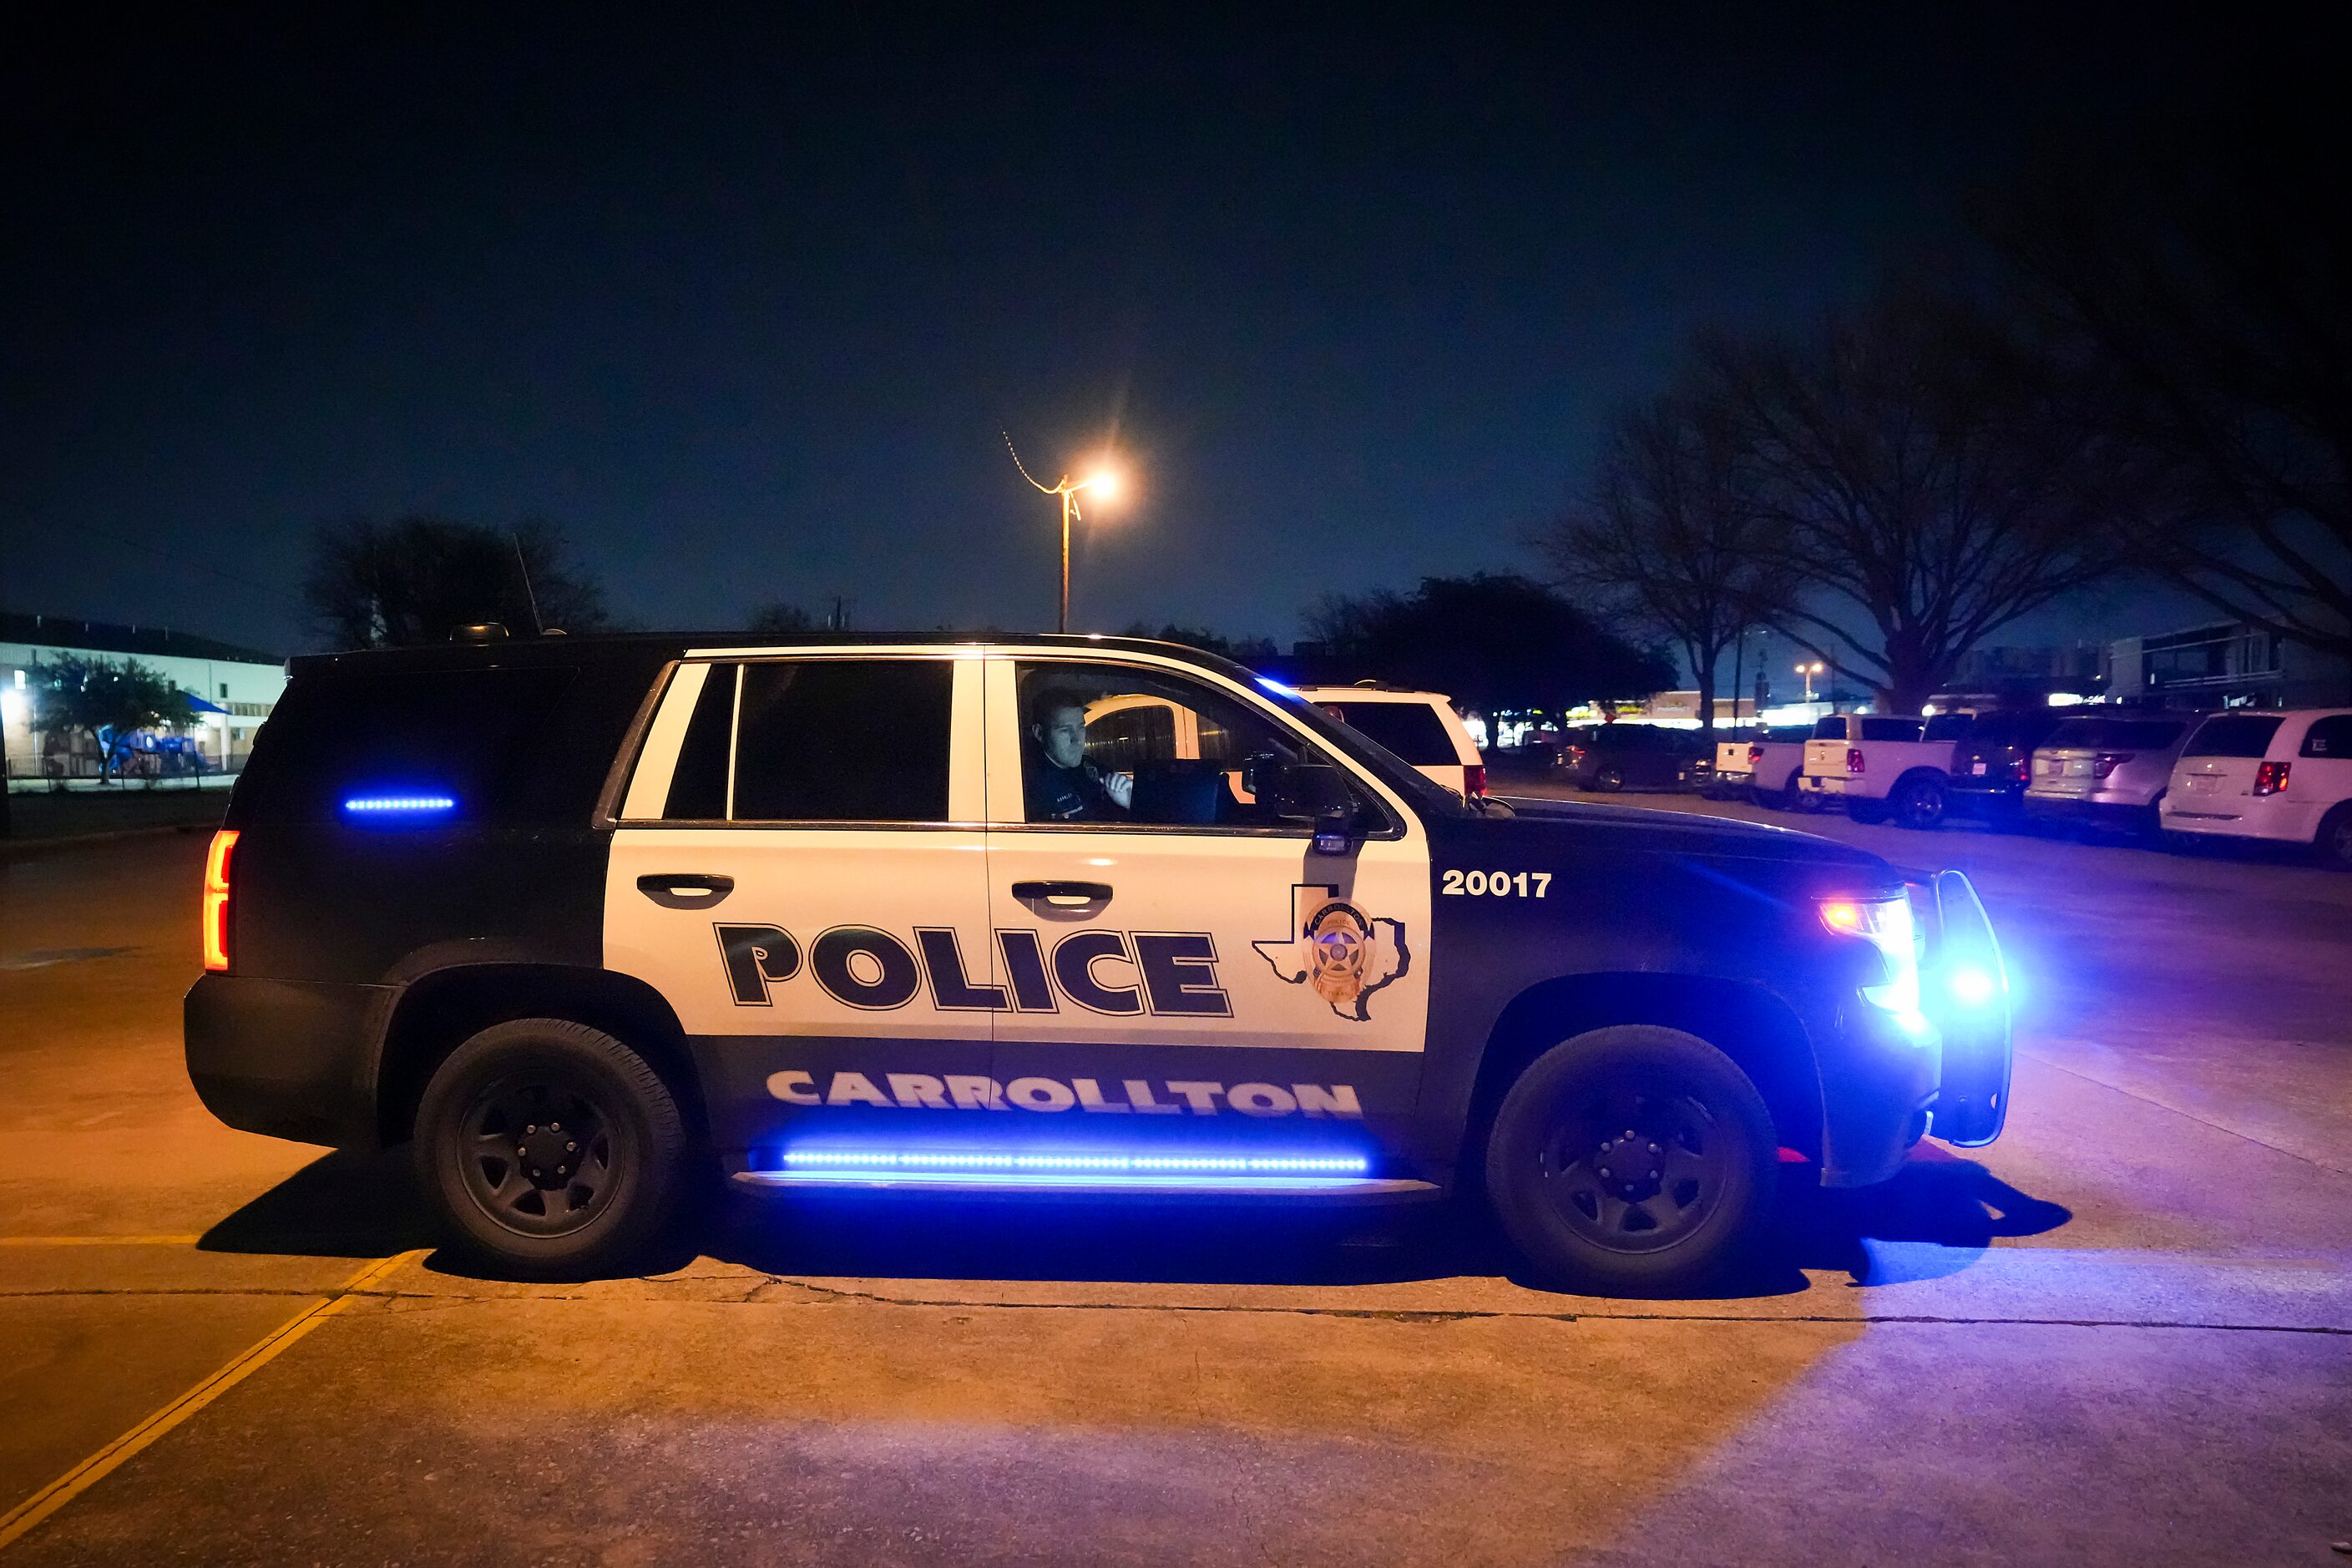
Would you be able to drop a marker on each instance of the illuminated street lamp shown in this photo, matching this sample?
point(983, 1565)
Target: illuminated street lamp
point(1103, 481)
point(1809, 671)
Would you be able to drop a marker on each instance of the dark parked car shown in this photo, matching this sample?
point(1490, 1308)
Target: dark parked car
point(1637, 756)
point(1994, 762)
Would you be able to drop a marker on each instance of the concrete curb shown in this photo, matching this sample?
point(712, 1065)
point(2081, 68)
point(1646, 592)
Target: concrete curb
point(26, 849)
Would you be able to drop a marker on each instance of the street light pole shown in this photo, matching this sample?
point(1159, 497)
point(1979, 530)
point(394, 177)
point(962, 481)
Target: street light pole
point(1103, 482)
point(1062, 621)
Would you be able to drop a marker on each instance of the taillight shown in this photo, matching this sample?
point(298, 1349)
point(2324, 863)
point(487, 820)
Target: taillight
point(2270, 778)
point(1754, 756)
point(2108, 761)
point(1854, 759)
point(217, 899)
point(2025, 770)
point(1474, 778)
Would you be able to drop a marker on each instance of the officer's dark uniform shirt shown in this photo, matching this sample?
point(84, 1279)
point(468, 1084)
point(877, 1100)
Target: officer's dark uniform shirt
point(1066, 795)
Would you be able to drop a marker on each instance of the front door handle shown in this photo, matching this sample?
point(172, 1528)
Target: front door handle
point(1064, 899)
point(685, 890)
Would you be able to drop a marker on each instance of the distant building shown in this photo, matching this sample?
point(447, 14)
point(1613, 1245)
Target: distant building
point(1679, 710)
point(233, 688)
point(2072, 668)
point(2227, 664)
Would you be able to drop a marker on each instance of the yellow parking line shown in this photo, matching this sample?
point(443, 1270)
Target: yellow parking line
point(107, 1460)
point(100, 1240)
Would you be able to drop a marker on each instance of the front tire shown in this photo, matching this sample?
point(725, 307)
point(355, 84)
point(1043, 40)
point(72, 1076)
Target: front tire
point(550, 1150)
point(1684, 1139)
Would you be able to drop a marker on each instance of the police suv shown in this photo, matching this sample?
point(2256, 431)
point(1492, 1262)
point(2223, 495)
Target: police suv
point(579, 918)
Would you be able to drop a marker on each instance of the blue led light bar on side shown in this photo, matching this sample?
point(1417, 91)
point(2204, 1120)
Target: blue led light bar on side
point(1088, 1170)
point(399, 804)
point(920, 1160)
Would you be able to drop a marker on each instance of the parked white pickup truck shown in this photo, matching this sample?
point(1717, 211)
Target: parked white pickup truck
point(1761, 765)
point(1883, 766)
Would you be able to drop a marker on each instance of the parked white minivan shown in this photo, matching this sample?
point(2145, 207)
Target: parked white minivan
point(1422, 727)
point(2282, 777)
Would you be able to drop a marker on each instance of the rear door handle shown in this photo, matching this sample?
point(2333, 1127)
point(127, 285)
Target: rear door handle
point(685, 890)
point(1064, 898)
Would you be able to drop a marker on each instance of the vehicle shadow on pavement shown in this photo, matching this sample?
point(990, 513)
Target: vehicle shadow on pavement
point(881, 1236)
point(347, 1203)
point(1942, 1211)
point(1938, 1216)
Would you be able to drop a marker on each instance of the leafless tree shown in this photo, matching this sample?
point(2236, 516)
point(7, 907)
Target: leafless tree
point(377, 585)
point(1669, 530)
point(2201, 288)
point(1906, 459)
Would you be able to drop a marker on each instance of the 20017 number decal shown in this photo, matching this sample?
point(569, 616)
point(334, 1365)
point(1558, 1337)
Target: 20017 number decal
point(1498, 884)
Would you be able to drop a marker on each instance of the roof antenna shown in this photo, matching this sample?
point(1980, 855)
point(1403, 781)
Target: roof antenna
point(528, 593)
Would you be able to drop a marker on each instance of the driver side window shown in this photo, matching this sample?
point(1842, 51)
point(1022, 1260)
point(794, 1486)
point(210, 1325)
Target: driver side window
point(1109, 744)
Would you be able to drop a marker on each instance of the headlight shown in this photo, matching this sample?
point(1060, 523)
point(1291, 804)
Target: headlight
point(1885, 924)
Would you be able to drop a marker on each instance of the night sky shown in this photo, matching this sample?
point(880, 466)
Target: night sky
point(745, 306)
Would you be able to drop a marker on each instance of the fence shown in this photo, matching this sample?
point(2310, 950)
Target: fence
point(142, 769)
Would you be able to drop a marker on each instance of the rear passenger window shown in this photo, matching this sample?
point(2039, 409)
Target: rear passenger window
point(1890, 730)
point(2329, 737)
point(484, 738)
point(697, 789)
point(843, 740)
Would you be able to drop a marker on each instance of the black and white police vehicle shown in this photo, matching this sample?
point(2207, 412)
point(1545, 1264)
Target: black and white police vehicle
point(580, 917)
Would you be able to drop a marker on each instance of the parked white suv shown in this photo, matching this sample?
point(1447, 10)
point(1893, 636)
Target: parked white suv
point(1421, 727)
point(1882, 765)
point(2284, 776)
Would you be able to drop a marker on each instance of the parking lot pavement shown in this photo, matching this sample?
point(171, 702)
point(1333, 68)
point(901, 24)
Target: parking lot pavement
point(2123, 1333)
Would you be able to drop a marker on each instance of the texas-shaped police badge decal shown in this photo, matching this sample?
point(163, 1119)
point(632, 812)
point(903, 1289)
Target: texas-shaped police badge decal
point(1337, 949)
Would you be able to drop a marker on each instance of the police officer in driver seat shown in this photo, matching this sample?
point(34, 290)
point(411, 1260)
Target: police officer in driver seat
point(1058, 783)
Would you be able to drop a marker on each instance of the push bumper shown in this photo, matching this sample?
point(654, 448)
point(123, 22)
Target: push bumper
point(1949, 1062)
point(1876, 1092)
point(288, 1058)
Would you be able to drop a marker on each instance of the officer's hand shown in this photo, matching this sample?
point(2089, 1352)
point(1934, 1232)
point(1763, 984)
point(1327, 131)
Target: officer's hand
point(1120, 787)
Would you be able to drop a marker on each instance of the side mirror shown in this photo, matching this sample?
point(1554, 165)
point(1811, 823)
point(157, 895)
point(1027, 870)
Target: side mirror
point(1319, 792)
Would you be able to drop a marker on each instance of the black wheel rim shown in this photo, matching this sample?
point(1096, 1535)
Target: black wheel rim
point(1636, 1164)
point(540, 1154)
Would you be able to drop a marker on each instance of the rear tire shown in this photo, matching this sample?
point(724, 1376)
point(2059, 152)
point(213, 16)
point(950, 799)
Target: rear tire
point(1918, 803)
point(2332, 846)
point(1687, 1142)
point(522, 1193)
point(1609, 780)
